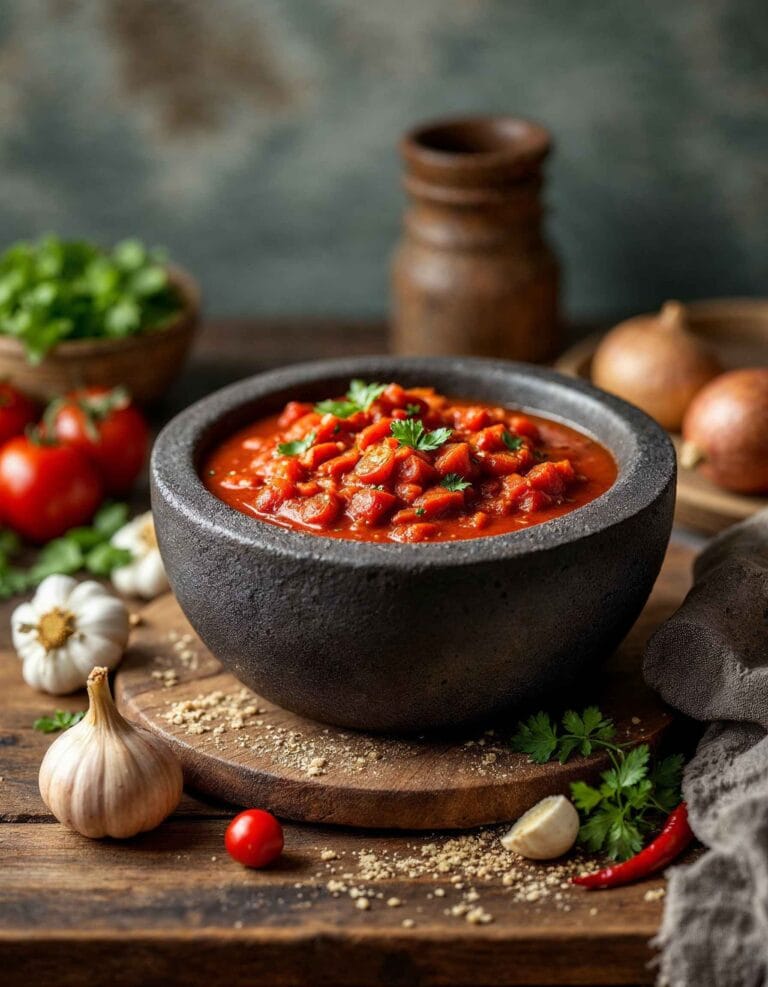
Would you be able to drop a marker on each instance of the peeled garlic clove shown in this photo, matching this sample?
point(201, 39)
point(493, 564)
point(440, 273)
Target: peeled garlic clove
point(107, 777)
point(546, 831)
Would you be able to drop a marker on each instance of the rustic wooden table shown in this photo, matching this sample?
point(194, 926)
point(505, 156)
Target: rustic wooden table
point(171, 908)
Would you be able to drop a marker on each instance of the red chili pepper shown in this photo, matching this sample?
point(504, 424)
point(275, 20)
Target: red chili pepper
point(669, 844)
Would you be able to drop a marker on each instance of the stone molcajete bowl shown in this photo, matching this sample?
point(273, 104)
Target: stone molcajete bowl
point(404, 637)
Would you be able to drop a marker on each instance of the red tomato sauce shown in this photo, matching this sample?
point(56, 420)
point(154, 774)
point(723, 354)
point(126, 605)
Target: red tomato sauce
point(388, 464)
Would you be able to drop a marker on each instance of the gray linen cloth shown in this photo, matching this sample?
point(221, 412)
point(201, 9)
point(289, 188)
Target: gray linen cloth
point(710, 661)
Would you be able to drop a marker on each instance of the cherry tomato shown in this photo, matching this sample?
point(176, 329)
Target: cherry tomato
point(108, 428)
point(16, 412)
point(46, 489)
point(254, 838)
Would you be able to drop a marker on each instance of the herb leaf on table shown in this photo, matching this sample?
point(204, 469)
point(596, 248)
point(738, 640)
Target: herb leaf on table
point(626, 806)
point(61, 720)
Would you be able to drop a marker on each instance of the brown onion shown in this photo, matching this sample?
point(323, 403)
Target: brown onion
point(726, 431)
point(653, 361)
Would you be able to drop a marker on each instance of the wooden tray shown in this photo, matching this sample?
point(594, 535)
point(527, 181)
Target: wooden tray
point(307, 771)
point(737, 330)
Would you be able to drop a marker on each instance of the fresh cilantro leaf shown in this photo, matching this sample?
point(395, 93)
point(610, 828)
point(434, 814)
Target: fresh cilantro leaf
point(341, 409)
point(410, 432)
point(666, 777)
point(585, 731)
point(512, 442)
point(110, 518)
point(59, 556)
point(536, 737)
point(633, 767)
point(363, 395)
point(102, 559)
point(454, 482)
point(297, 447)
point(623, 839)
point(594, 832)
point(420, 512)
point(55, 289)
point(413, 409)
point(61, 720)
point(10, 543)
point(584, 796)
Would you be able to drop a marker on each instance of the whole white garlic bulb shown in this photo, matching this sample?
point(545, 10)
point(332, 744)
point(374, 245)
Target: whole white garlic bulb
point(546, 831)
point(65, 630)
point(107, 777)
point(145, 574)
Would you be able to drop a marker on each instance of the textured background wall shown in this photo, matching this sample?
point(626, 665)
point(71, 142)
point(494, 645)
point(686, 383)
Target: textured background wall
point(256, 137)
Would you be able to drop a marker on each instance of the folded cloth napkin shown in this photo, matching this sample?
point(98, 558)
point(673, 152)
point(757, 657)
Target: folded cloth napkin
point(710, 660)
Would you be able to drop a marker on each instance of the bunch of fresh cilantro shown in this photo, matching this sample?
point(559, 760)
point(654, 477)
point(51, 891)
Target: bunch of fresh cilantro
point(626, 806)
point(86, 548)
point(55, 289)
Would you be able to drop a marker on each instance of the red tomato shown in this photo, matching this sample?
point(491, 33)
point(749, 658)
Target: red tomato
point(108, 428)
point(254, 838)
point(46, 489)
point(16, 412)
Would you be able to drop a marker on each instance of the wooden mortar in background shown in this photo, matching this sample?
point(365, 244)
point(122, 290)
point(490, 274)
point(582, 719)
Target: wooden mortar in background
point(473, 273)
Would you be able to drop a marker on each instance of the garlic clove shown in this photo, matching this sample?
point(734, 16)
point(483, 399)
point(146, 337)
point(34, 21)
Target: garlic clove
point(546, 831)
point(107, 777)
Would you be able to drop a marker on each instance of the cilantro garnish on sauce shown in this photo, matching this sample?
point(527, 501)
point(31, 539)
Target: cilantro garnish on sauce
point(410, 432)
point(454, 482)
point(298, 446)
point(359, 397)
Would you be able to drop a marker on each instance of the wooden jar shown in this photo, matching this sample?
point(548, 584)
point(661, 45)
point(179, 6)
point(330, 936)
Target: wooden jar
point(473, 273)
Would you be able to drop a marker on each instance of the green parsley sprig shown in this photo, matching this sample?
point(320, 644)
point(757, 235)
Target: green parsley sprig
point(411, 432)
point(454, 482)
point(542, 739)
point(512, 442)
point(86, 548)
point(619, 814)
point(359, 397)
point(298, 446)
point(56, 289)
point(625, 808)
point(61, 720)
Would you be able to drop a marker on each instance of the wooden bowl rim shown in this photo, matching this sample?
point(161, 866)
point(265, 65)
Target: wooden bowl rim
point(78, 349)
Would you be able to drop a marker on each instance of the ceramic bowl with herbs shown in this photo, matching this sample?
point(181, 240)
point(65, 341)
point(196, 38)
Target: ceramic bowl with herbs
point(399, 544)
point(73, 314)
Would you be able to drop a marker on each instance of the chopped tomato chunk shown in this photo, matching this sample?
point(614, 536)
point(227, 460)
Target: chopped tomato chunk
point(520, 425)
point(322, 509)
point(274, 495)
point(504, 463)
point(374, 433)
point(414, 532)
point(371, 506)
point(439, 501)
point(534, 500)
point(547, 478)
point(376, 465)
point(415, 469)
point(340, 465)
point(455, 458)
point(319, 453)
point(292, 412)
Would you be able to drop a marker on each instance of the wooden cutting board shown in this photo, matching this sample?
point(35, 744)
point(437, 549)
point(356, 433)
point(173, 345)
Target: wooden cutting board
point(700, 504)
point(236, 746)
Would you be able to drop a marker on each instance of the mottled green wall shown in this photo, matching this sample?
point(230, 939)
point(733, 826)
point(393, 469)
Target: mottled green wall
point(256, 139)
